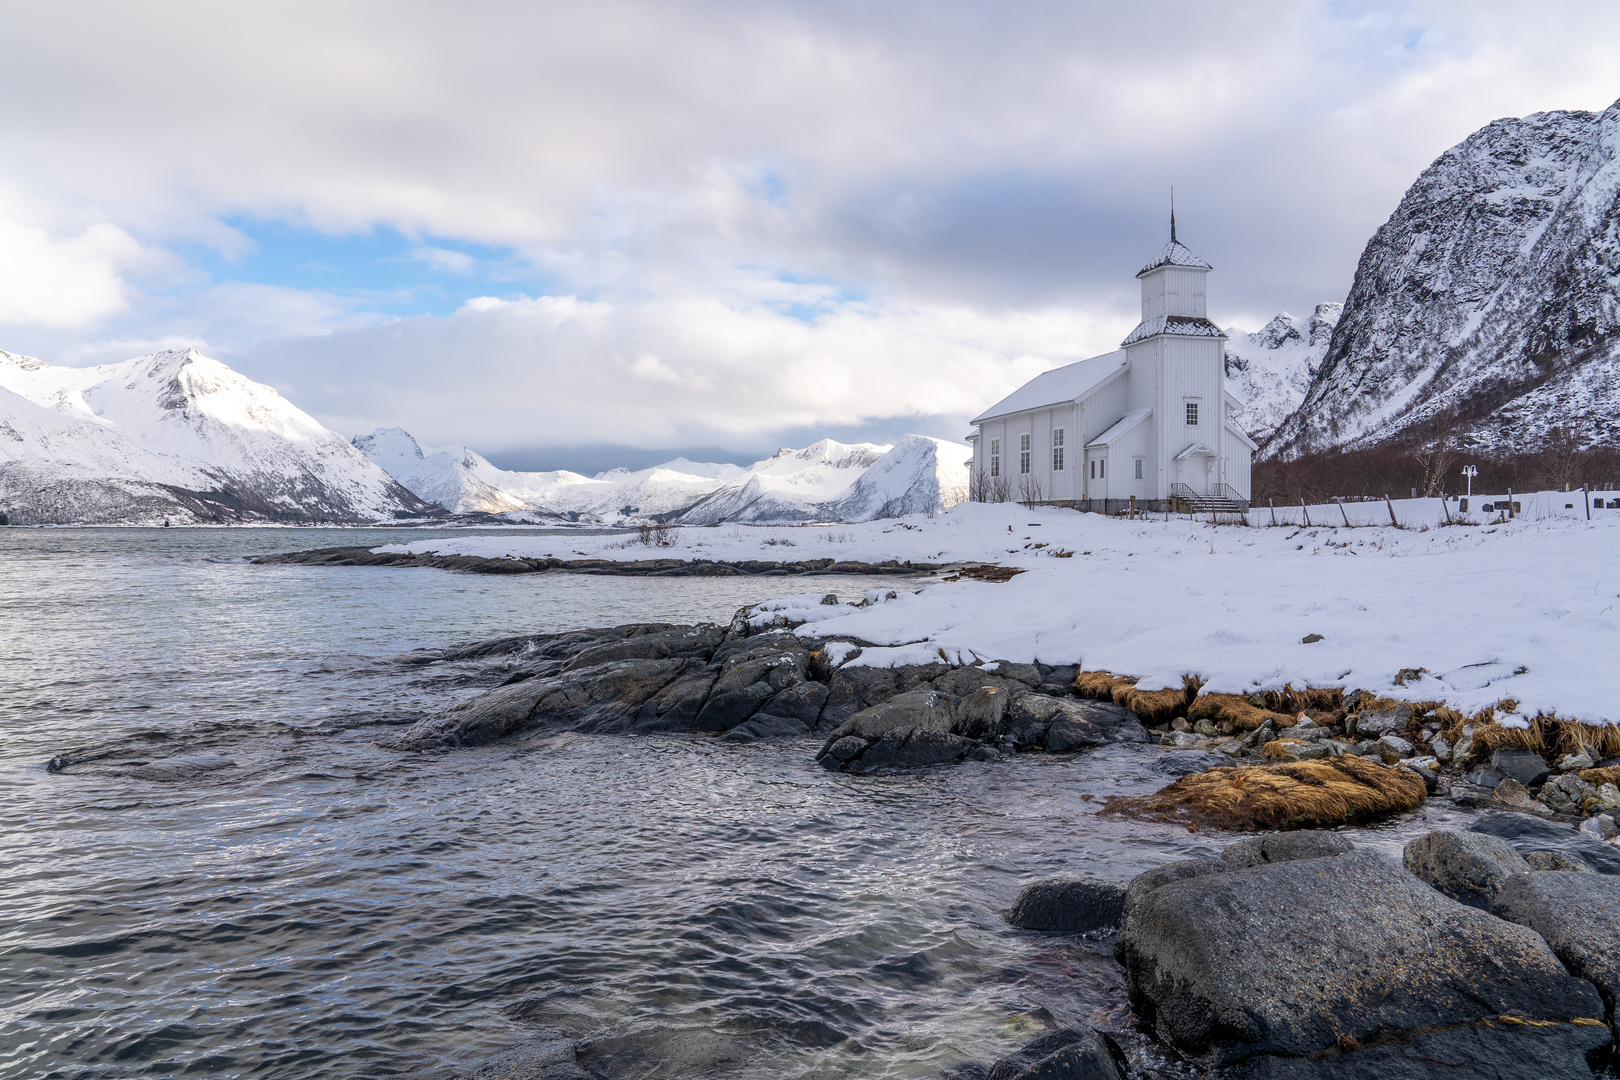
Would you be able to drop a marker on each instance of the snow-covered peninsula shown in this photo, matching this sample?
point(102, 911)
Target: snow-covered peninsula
point(1524, 610)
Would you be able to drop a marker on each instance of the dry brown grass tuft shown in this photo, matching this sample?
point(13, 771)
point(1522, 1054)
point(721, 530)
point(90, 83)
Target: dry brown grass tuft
point(1277, 749)
point(1296, 795)
point(1157, 706)
point(1611, 775)
point(1099, 684)
point(1237, 710)
point(1152, 706)
point(1307, 699)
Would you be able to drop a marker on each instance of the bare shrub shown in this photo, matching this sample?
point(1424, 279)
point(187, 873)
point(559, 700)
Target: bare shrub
point(1030, 491)
point(1434, 449)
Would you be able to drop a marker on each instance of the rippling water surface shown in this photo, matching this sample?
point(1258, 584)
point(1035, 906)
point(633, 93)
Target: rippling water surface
point(236, 881)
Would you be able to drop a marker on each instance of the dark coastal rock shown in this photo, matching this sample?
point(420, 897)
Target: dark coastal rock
point(475, 564)
point(1188, 762)
point(1071, 905)
point(673, 642)
point(852, 689)
point(1309, 958)
point(1526, 833)
point(1372, 723)
point(1072, 1053)
point(620, 696)
point(1150, 881)
point(1468, 867)
point(765, 726)
point(1285, 847)
point(1579, 915)
point(1060, 725)
point(1525, 766)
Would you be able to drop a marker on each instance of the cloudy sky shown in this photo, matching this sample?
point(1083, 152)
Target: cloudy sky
point(598, 233)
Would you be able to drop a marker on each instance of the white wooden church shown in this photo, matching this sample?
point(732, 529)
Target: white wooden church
point(1151, 420)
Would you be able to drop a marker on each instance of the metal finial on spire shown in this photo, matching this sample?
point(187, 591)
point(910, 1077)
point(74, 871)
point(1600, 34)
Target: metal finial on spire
point(1172, 213)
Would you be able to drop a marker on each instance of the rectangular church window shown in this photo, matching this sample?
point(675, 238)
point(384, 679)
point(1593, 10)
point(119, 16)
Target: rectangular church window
point(995, 457)
point(1138, 463)
point(1023, 453)
point(1192, 414)
point(1057, 450)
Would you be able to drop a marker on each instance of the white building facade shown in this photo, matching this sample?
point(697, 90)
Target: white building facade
point(1152, 421)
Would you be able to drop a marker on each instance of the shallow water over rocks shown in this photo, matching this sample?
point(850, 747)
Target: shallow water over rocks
point(233, 879)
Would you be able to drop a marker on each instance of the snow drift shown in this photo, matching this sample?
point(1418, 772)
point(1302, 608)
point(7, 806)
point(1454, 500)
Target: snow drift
point(173, 435)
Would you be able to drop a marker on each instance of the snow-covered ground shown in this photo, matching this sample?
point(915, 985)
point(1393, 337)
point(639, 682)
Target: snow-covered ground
point(1527, 609)
point(826, 481)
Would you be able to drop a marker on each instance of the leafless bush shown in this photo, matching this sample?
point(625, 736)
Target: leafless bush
point(655, 534)
point(1030, 490)
point(1434, 449)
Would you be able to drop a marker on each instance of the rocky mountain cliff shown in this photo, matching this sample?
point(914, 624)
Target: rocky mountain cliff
point(174, 435)
point(1491, 294)
point(1271, 369)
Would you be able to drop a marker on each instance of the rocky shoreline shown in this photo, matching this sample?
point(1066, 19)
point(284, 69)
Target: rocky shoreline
point(473, 564)
point(1492, 952)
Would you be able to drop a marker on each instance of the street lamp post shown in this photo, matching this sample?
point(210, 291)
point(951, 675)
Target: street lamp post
point(1470, 472)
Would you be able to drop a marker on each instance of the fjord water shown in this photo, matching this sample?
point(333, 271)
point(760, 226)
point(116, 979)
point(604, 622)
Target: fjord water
point(232, 878)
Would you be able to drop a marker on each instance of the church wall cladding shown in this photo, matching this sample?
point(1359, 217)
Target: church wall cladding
point(1238, 462)
point(1166, 290)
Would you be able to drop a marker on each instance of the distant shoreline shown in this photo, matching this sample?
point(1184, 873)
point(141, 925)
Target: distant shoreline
point(473, 564)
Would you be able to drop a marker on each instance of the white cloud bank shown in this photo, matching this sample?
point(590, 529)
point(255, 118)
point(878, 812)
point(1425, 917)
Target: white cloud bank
point(682, 371)
point(972, 183)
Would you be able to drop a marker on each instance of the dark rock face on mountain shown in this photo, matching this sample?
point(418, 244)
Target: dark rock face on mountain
point(1492, 293)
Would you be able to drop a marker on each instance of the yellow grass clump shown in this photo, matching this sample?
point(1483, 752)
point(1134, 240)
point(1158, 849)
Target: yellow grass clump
point(1296, 795)
point(1548, 736)
point(1598, 777)
point(1238, 711)
point(1152, 706)
point(1293, 702)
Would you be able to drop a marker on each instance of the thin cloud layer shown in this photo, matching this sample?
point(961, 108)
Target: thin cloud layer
point(736, 192)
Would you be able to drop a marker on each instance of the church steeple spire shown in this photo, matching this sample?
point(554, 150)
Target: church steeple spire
point(1172, 213)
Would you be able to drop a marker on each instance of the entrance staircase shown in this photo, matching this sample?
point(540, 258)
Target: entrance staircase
point(1222, 499)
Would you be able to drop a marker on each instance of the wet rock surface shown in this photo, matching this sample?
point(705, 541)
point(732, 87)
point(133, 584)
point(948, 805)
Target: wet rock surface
point(1579, 916)
point(1348, 966)
point(1074, 905)
point(1471, 868)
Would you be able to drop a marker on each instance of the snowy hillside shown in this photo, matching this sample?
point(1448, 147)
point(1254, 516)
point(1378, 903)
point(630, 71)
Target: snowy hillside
point(1271, 369)
point(172, 434)
point(826, 481)
point(1492, 292)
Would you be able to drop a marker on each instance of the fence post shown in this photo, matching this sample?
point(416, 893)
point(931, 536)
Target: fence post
point(1586, 497)
point(1304, 511)
point(1344, 514)
point(1510, 504)
point(1273, 503)
point(1391, 506)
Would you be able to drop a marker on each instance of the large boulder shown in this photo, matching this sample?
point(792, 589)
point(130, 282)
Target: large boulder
point(912, 729)
point(1527, 834)
point(680, 642)
point(751, 672)
point(1579, 915)
point(1306, 962)
point(1468, 867)
point(1073, 905)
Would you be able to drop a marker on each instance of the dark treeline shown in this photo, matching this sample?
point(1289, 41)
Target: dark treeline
point(1398, 470)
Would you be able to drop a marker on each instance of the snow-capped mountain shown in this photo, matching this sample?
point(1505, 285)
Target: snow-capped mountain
point(1492, 293)
point(173, 435)
point(1271, 369)
point(826, 481)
